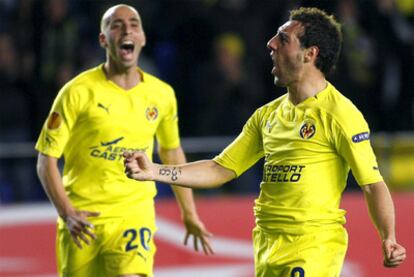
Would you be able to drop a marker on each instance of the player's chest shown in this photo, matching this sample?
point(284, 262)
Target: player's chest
point(300, 137)
point(117, 110)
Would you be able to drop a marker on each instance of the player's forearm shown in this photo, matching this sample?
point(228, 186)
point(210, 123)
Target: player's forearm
point(197, 175)
point(183, 195)
point(381, 209)
point(51, 180)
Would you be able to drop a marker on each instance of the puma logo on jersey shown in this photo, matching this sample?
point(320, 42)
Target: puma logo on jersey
point(48, 140)
point(142, 256)
point(103, 107)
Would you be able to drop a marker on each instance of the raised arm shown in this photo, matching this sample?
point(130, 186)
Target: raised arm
point(197, 175)
point(76, 221)
point(381, 209)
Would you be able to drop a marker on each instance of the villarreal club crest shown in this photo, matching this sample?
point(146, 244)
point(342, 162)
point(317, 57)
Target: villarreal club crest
point(308, 129)
point(151, 113)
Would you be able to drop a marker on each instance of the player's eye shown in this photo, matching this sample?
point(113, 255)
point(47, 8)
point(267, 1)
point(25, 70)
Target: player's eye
point(116, 25)
point(283, 38)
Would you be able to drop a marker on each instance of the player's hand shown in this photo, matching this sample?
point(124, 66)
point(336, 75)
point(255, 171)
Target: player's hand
point(199, 232)
point(138, 166)
point(394, 254)
point(79, 227)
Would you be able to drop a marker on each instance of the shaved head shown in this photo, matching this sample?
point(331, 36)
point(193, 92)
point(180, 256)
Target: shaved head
point(106, 18)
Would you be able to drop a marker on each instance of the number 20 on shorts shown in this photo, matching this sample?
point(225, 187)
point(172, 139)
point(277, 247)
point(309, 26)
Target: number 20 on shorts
point(144, 238)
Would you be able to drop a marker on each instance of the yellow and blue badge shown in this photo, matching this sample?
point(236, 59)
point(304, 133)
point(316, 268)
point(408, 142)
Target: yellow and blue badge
point(308, 129)
point(151, 113)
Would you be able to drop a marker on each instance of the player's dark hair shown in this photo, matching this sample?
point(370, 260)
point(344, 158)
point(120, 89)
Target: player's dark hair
point(321, 30)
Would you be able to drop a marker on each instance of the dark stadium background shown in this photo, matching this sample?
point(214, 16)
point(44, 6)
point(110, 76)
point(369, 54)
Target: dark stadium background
point(213, 52)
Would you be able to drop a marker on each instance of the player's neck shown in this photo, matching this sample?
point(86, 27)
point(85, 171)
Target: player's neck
point(124, 77)
point(308, 86)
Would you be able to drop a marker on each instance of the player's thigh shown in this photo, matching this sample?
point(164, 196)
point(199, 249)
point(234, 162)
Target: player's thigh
point(324, 252)
point(129, 247)
point(73, 261)
point(316, 254)
point(274, 253)
point(331, 246)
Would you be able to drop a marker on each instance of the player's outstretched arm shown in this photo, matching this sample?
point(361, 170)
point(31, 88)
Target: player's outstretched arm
point(197, 175)
point(381, 209)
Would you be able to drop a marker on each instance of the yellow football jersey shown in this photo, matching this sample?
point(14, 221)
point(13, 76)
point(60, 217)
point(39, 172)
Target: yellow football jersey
point(308, 150)
point(92, 122)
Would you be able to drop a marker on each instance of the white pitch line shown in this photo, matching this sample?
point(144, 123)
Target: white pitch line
point(8, 264)
point(26, 214)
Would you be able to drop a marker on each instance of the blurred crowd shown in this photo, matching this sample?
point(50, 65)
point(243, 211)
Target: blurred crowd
point(213, 52)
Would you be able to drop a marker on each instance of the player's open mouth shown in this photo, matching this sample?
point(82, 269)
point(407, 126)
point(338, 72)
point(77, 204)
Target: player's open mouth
point(127, 48)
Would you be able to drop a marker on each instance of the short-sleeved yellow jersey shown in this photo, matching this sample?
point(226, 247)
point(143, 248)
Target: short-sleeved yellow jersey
point(92, 122)
point(308, 150)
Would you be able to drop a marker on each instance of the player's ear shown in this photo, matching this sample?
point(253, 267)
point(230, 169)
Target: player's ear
point(102, 40)
point(311, 54)
point(144, 41)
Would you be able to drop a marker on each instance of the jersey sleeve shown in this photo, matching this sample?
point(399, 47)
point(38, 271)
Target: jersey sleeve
point(353, 144)
point(245, 150)
point(55, 132)
point(167, 133)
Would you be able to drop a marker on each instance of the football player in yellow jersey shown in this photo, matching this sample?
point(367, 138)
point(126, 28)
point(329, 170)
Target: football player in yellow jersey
point(310, 138)
point(106, 222)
